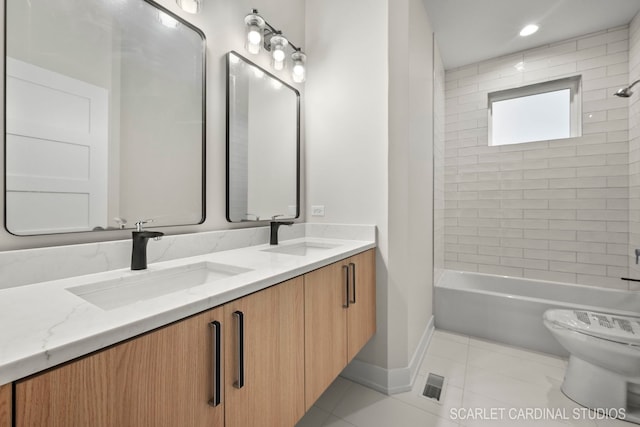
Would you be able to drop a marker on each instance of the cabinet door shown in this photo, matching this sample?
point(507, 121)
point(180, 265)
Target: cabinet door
point(163, 378)
point(361, 316)
point(5, 406)
point(264, 357)
point(325, 328)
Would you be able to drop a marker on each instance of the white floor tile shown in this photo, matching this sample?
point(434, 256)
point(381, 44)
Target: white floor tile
point(613, 423)
point(478, 400)
point(506, 389)
point(546, 359)
point(515, 423)
point(315, 417)
point(451, 370)
point(364, 407)
point(447, 349)
point(480, 375)
point(514, 366)
point(561, 413)
point(451, 398)
point(333, 394)
point(334, 421)
point(463, 339)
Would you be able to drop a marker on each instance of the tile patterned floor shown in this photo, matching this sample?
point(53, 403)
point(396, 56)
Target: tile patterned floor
point(479, 375)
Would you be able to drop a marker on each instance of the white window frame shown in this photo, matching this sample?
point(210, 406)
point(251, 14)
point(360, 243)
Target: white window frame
point(574, 84)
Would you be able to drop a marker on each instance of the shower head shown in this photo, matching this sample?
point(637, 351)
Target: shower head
point(626, 92)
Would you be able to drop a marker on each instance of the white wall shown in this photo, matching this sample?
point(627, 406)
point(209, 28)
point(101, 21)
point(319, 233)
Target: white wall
point(346, 110)
point(554, 210)
point(410, 173)
point(634, 151)
point(222, 23)
point(369, 147)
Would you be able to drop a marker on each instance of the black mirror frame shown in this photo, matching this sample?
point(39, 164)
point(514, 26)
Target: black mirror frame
point(228, 118)
point(204, 126)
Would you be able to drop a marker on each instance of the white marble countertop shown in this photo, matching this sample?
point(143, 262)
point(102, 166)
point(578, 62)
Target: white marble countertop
point(43, 324)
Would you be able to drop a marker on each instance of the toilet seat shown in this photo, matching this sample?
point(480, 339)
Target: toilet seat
point(611, 327)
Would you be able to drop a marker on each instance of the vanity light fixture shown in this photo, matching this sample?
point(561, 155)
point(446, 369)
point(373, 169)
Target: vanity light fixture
point(528, 30)
point(278, 43)
point(255, 27)
point(299, 73)
point(262, 34)
point(190, 6)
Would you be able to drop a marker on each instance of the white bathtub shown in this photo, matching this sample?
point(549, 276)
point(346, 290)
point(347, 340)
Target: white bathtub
point(509, 309)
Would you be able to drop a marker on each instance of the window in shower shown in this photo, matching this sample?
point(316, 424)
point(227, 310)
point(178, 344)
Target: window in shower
point(539, 112)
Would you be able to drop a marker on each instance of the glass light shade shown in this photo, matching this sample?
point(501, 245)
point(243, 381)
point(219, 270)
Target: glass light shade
point(190, 6)
point(255, 25)
point(299, 72)
point(278, 43)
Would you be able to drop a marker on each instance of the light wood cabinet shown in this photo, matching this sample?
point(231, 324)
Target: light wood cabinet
point(340, 317)
point(264, 359)
point(325, 322)
point(361, 315)
point(261, 360)
point(5, 405)
point(163, 378)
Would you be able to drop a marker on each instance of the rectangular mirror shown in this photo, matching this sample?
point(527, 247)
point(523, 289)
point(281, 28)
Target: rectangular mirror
point(105, 116)
point(263, 144)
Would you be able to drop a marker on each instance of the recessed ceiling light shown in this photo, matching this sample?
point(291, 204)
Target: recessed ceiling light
point(528, 30)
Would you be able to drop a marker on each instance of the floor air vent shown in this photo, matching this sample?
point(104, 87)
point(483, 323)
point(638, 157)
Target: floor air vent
point(433, 388)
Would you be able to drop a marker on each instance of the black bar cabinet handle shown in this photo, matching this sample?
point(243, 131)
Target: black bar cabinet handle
point(240, 320)
point(216, 331)
point(345, 269)
point(352, 266)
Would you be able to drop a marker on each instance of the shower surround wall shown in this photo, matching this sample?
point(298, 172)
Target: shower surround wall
point(634, 149)
point(438, 164)
point(554, 210)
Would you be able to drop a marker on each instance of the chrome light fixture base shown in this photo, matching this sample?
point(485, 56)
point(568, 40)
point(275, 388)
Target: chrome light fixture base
point(260, 32)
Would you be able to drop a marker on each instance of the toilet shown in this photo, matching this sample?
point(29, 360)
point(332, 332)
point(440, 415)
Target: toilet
point(604, 367)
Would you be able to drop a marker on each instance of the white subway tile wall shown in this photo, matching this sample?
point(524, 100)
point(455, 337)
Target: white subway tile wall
point(555, 210)
point(634, 151)
point(438, 166)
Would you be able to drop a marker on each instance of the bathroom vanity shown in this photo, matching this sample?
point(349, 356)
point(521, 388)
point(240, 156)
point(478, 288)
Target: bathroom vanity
point(270, 340)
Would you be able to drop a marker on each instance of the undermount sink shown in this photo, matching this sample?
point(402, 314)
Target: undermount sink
point(301, 249)
point(139, 286)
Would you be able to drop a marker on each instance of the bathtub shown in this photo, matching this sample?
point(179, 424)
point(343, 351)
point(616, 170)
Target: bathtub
point(509, 309)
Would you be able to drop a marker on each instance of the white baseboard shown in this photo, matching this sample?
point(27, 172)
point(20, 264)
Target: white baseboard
point(390, 381)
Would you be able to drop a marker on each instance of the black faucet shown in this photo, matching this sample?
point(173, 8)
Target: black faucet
point(274, 229)
point(139, 251)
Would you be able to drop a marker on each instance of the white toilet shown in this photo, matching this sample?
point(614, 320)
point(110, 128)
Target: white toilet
point(604, 366)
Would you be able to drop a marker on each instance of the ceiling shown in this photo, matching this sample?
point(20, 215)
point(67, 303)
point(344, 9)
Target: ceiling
point(469, 31)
